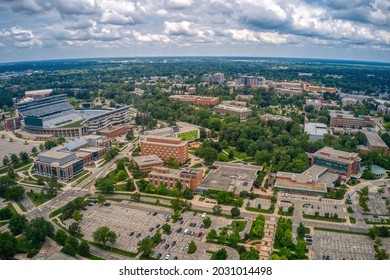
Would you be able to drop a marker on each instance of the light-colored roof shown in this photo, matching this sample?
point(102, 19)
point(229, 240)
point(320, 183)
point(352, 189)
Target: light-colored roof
point(75, 144)
point(54, 154)
point(316, 128)
point(336, 155)
point(233, 108)
point(375, 140)
point(144, 160)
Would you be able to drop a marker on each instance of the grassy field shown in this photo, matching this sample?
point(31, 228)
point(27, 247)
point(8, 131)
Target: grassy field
point(21, 206)
point(38, 198)
point(71, 125)
point(322, 218)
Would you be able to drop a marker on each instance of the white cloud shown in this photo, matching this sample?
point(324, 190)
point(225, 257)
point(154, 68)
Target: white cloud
point(151, 37)
point(178, 4)
point(182, 28)
point(113, 17)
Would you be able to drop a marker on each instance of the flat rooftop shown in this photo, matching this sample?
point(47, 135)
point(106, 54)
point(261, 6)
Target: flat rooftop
point(231, 177)
point(375, 140)
point(144, 160)
point(54, 154)
point(336, 155)
point(312, 186)
point(233, 108)
point(319, 129)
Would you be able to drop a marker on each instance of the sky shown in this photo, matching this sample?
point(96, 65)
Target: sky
point(56, 29)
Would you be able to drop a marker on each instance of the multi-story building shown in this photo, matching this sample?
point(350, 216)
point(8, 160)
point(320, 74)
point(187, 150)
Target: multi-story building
point(146, 163)
point(308, 87)
point(12, 123)
point(165, 148)
point(114, 131)
point(347, 120)
point(316, 131)
point(241, 111)
point(189, 177)
point(36, 94)
point(345, 163)
point(197, 100)
point(216, 78)
point(349, 101)
point(314, 181)
point(316, 103)
point(375, 143)
point(63, 165)
point(270, 117)
point(242, 97)
point(182, 130)
point(252, 81)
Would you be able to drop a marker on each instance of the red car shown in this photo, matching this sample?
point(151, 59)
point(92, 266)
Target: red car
point(200, 234)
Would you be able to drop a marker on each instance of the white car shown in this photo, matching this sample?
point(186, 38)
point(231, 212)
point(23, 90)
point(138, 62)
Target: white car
point(167, 256)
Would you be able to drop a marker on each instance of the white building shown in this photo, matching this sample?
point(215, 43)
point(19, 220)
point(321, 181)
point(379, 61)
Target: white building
point(316, 131)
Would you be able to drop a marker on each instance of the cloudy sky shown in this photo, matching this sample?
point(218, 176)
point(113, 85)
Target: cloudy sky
point(342, 29)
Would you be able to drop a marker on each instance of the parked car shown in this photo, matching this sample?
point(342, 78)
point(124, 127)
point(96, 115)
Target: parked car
point(200, 234)
point(167, 256)
point(181, 222)
point(175, 258)
point(158, 226)
point(138, 235)
point(179, 230)
point(155, 213)
point(166, 246)
point(158, 256)
point(151, 229)
point(163, 241)
point(173, 243)
point(107, 204)
point(132, 233)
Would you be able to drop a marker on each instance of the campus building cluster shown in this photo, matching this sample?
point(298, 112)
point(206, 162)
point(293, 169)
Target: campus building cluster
point(197, 100)
point(165, 148)
point(233, 108)
point(345, 119)
point(189, 177)
point(182, 130)
point(327, 166)
point(69, 159)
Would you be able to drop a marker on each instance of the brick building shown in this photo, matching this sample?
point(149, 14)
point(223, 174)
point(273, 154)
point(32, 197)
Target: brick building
point(146, 163)
point(165, 148)
point(347, 120)
point(189, 177)
point(340, 162)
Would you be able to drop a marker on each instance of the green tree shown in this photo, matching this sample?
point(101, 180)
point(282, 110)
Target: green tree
point(188, 194)
point(34, 151)
point(179, 185)
point(156, 237)
point(84, 248)
point(172, 163)
point(74, 229)
point(176, 216)
point(17, 224)
point(210, 155)
point(121, 175)
point(8, 245)
point(166, 228)
point(15, 161)
point(61, 237)
point(24, 157)
point(301, 231)
point(61, 140)
point(11, 172)
point(40, 181)
point(6, 160)
point(300, 249)
point(253, 254)
point(104, 235)
point(207, 222)
point(192, 247)
point(212, 235)
point(130, 135)
point(146, 246)
point(77, 216)
point(38, 229)
point(136, 196)
point(14, 193)
point(130, 186)
point(235, 212)
point(52, 187)
point(381, 254)
point(233, 238)
point(101, 199)
point(277, 257)
point(217, 210)
point(221, 254)
point(71, 246)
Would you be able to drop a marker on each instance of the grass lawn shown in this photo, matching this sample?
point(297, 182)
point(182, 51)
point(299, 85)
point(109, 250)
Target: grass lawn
point(26, 166)
point(71, 125)
point(198, 165)
point(21, 206)
point(237, 154)
point(93, 257)
point(24, 246)
point(352, 220)
point(115, 250)
point(238, 225)
point(30, 180)
point(11, 208)
point(266, 211)
point(78, 176)
point(339, 231)
point(121, 187)
point(38, 198)
point(3, 223)
point(323, 218)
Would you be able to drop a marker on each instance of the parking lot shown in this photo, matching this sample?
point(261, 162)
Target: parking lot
point(14, 147)
point(377, 203)
point(124, 218)
point(339, 246)
point(265, 203)
point(322, 208)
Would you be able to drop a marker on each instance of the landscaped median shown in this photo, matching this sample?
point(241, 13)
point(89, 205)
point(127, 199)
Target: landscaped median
point(328, 218)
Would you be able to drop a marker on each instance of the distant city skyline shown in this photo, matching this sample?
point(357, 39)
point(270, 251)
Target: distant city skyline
point(325, 29)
